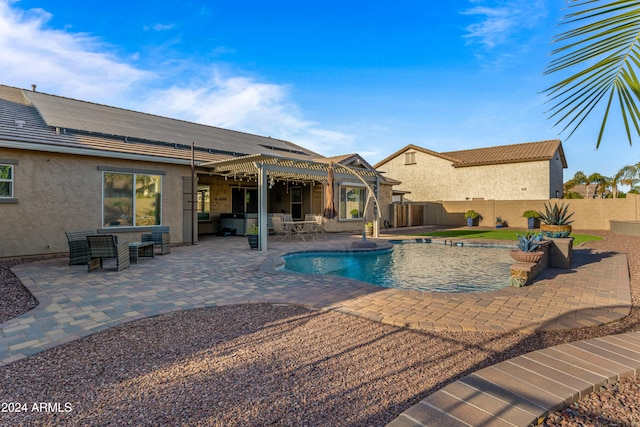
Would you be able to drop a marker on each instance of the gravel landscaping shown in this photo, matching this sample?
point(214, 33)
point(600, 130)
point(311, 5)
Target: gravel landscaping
point(255, 365)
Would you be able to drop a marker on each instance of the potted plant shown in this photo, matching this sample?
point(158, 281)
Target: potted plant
point(472, 217)
point(555, 221)
point(501, 222)
point(368, 228)
point(527, 245)
point(252, 236)
point(533, 219)
point(354, 213)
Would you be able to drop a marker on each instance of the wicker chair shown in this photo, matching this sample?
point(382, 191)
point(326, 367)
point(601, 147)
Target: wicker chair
point(107, 246)
point(78, 246)
point(160, 237)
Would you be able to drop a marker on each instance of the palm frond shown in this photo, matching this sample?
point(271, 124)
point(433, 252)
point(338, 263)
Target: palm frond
point(606, 44)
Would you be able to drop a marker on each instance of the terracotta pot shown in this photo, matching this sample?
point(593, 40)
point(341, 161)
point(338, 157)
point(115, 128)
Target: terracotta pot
point(557, 231)
point(520, 256)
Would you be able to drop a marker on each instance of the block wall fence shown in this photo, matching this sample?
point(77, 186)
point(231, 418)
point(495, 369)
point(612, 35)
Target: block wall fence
point(589, 214)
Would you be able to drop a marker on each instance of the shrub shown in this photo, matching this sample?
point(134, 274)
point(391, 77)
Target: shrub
point(528, 242)
point(531, 214)
point(471, 214)
point(556, 215)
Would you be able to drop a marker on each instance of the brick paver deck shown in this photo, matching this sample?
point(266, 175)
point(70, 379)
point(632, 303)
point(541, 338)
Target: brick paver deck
point(220, 271)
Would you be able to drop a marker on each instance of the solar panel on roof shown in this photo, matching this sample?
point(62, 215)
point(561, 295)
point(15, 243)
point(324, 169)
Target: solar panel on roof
point(101, 119)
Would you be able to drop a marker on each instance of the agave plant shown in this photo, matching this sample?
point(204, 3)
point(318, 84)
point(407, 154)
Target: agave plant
point(556, 215)
point(528, 242)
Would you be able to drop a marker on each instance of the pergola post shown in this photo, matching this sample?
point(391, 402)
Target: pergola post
point(376, 213)
point(263, 230)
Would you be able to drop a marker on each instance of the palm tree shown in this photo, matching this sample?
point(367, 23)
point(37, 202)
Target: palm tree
point(600, 181)
point(606, 49)
point(625, 176)
point(579, 178)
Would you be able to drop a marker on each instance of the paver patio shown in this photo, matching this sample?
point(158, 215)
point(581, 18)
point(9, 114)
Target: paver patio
point(220, 271)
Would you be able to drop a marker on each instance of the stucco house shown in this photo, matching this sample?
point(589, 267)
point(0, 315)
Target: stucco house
point(528, 171)
point(67, 165)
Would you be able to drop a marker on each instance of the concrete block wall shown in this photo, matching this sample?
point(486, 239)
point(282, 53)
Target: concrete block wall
point(589, 214)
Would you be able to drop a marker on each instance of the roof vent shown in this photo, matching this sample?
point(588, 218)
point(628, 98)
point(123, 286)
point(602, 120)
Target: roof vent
point(20, 123)
point(33, 88)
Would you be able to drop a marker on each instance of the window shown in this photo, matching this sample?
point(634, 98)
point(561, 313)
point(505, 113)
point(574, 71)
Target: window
point(410, 158)
point(352, 200)
point(131, 199)
point(244, 200)
point(6, 181)
point(204, 202)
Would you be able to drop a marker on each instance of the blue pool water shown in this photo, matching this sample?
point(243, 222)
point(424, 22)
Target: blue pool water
point(416, 266)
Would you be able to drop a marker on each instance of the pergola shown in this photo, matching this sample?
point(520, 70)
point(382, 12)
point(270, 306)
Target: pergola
point(267, 169)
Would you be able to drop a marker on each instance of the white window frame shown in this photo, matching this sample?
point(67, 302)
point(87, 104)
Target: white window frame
point(347, 216)
point(12, 181)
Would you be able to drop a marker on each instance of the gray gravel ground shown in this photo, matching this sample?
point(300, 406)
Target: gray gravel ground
point(259, 365)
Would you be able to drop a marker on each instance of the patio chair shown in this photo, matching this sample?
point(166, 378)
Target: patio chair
point(78, 246)
point(107, 246)
point(280, 228)
point(160, 237)
point(318, 228)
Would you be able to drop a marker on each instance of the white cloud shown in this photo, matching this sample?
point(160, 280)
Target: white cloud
point(241, 103)
point(500, 20)
point(80, 66)
point(59, 62)
point(159, 27)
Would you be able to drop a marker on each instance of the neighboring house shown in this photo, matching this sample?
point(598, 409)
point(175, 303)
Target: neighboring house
point(591, 191)
point(68, 165)
point(528, 171)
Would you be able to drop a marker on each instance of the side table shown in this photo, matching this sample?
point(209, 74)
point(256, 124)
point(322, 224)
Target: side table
point(140, 249)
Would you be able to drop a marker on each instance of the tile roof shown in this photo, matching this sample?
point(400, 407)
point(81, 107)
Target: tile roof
point(513, 153)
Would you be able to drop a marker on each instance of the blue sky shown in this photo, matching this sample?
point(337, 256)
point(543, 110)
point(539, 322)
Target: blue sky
point(335, 76)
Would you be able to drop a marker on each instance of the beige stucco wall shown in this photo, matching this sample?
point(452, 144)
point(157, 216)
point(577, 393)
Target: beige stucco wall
point(58, 193)
point(589, 214)
point(434, 178)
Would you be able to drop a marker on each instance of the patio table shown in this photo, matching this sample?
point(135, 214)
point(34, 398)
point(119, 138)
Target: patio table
point(140, 249)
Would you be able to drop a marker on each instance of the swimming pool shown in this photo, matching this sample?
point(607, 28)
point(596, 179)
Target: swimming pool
point(415, 266)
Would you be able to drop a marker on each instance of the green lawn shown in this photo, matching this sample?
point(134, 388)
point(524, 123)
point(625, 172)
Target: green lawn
point(500, 235)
